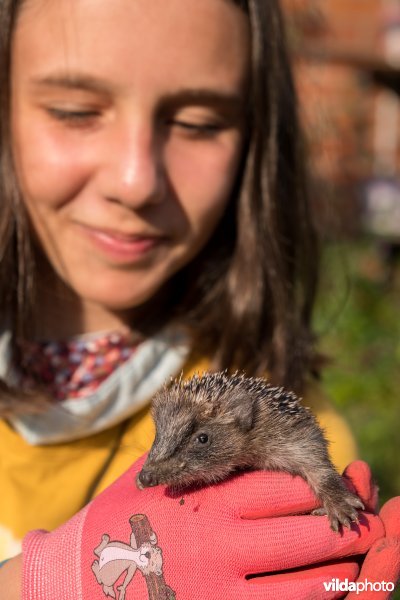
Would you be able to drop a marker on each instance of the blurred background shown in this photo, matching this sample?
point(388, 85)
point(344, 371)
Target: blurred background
point(346, 56)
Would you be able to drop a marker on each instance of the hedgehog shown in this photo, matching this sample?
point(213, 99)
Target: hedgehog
point(214, 424)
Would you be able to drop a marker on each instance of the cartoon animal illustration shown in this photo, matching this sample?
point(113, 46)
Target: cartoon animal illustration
point(116, 558)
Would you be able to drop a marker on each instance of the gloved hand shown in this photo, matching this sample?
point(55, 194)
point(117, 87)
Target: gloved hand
point(201, 544)
point(382, 562)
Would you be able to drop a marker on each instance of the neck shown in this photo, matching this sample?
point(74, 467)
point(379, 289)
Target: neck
point(59, 313)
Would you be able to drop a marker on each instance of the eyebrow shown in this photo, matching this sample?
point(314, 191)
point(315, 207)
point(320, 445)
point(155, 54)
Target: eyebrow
point(229, 100)
point(72, 82)
point(233, 101)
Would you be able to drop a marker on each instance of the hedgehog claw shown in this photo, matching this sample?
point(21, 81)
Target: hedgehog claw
point(341, 512)
point(346, 523)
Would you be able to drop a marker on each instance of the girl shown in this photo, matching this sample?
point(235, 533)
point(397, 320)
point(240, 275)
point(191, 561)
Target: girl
point(154, 220)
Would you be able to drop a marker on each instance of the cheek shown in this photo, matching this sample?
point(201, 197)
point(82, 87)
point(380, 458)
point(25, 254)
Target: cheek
point(203, 178)
point(50, 170)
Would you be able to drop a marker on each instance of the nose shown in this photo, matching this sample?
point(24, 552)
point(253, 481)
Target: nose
point(132, 172)
point(147, 479)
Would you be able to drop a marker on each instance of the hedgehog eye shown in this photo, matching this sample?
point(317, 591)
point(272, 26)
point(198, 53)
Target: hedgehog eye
point(202, 438)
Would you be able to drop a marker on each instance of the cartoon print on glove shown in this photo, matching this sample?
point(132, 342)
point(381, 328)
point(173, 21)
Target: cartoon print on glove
point(116, 558)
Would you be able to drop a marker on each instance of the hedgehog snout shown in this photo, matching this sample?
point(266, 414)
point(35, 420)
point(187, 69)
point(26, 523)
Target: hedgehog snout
point(147, 478)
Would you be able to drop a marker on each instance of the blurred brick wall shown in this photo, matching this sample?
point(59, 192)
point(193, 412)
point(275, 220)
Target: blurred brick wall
point(352, 23)
point(338, 97)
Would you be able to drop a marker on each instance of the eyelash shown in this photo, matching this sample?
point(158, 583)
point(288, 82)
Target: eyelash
point(206, 129)
point(80, 118)
point(72, 116)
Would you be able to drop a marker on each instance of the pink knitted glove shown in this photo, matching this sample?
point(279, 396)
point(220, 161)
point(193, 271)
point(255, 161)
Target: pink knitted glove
point(137, 545)
point(381, 568)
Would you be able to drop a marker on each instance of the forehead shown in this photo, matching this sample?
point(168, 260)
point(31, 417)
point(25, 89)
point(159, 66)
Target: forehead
point(139, 40)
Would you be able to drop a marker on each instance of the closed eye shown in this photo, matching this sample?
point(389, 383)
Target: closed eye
point(73, 117)
point(203, 129)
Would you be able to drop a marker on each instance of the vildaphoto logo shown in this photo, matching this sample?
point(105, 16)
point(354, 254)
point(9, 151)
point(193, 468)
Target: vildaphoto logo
point(336, 585)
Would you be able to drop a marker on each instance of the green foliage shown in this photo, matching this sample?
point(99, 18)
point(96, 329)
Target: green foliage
point(359, 327)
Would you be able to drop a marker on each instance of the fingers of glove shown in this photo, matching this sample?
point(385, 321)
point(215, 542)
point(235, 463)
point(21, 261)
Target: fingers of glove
point(271, 494)
point(268, 545)
point(311, 583)
point(263, 494)
point(390, 515)
point(358, 478)
point(382, 563)
point(380, 571)
point(306, 584)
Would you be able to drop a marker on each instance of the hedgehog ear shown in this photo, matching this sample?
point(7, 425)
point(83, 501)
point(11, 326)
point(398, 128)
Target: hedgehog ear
point(208, 410)
point(242, 409)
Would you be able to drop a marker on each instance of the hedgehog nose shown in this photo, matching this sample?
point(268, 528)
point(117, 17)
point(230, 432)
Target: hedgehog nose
point(147, 479)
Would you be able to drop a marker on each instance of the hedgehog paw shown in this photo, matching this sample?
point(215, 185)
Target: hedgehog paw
point(341, 512)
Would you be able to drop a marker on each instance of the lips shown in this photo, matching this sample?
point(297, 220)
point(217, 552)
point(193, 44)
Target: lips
point(121, 245)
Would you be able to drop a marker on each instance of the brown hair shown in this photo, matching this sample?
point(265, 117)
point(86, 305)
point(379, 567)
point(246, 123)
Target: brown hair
point(255, 301)
point(14, 243)
point(248, 296)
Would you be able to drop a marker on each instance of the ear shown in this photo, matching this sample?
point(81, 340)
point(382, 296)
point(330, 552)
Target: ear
point(241, 407)
point(207, 408)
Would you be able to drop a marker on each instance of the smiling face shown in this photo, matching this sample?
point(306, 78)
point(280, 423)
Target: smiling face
point(127, 123)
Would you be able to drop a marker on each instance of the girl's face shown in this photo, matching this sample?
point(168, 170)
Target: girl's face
point(127, 120)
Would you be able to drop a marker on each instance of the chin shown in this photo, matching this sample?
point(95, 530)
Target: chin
point(116, 296)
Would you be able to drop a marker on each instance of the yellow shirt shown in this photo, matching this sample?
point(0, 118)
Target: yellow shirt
point(43, 486)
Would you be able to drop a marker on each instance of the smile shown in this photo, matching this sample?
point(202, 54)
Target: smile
point(121, 246)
